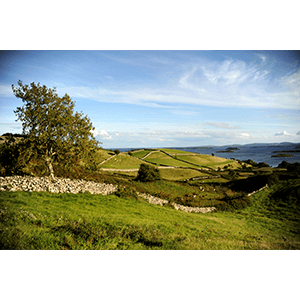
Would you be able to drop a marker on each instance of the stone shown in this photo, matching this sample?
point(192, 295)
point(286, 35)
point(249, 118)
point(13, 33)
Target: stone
point(58, 185)
point(65, 185)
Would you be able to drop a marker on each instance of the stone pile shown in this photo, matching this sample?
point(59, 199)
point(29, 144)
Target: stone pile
point(158, 201)
point(193, 209)
point(153, 200)
point(56, 185)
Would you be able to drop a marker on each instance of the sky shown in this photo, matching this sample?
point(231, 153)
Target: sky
point(166, 98)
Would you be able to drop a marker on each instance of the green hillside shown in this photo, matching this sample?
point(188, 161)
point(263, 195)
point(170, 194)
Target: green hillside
point(209, 161)
point(66, 221)
point(122, 161)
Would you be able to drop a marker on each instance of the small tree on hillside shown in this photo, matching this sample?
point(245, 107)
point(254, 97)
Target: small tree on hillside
point(148, 173)
point(51, 127)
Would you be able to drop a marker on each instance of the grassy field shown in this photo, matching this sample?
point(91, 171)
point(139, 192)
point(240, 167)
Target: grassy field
point(161, 158)
point(66, 221)
point(180, 174)
point(104, 154)
point(174, 151)
point(168, 174)
point(141, 154)
point(209, 161)
point(125, 161)
point(122, 161)
point(32, 220)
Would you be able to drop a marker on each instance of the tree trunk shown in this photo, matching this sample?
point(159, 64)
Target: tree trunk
point(49, 160)
point(50, 167)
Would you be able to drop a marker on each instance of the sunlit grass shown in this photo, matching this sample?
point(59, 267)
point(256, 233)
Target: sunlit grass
point(66, 221)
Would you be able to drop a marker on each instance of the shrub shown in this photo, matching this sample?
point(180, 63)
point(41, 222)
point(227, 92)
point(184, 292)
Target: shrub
point(117, 151)
point(262, 165)
point(233, 203)
point(148, 173)
point(250, 162)
point(126, 192)
point(272, 179)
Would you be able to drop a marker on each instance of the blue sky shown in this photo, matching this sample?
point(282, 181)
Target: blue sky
point(166, 98)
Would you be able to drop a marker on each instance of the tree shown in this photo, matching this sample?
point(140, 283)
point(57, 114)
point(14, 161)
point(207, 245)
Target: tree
point(51, 127)
point(13, 156)
point(148, 173)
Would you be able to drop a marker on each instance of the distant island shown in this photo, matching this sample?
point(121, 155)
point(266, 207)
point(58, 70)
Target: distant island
point(282, 155)
point(230, 149)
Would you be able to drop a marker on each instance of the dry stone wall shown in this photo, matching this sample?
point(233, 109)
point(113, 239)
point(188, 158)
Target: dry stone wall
point(56, 185)
point(65, 185)
point(257, 190)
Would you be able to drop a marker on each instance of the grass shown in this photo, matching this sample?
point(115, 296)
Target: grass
point(209, 161)
point(188, 160)
point(141, 154)
point(174, 151)
point(103, 155)
point(161, 158)
point(167, 174)
point(32, 220)
point(122, 161)
point(65, 221)
point(180, 174)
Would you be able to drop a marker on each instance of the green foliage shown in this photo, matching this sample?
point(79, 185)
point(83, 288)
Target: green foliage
point(232, 203)
point(14, 156)
point(117, 151)
point(148, 173)
point(262, 165)
point(252, 183)
point(250, 162)
point(272, 179)
point(52, 129)
point(126, 192)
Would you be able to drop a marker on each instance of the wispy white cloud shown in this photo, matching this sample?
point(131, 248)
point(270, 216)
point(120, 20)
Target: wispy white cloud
point(221, 125)
point(283, 133)
point(227, 83)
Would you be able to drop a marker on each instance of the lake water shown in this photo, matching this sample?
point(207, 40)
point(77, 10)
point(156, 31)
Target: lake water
point(256, 153)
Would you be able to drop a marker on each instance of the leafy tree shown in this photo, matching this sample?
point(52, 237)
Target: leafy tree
point(148, 173)
point(13, 156)
point(52, 129)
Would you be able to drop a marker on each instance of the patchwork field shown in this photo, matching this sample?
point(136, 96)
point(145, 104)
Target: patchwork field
point(141, 154)
point(102, 155)
point(174, 151)
point(161, 158)
point(209, 161)
point(122, 161)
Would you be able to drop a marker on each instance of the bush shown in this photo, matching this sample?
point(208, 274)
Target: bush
point(262, 165)
point(233, 203)
point(117, 151)
point(272, 179)
point(148, 173)
point(126, 192)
